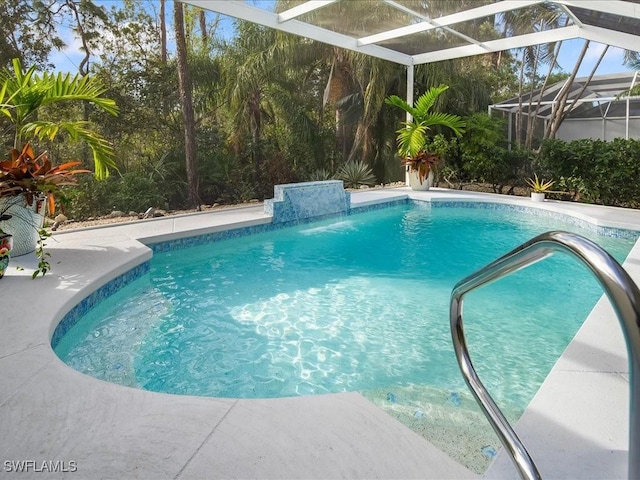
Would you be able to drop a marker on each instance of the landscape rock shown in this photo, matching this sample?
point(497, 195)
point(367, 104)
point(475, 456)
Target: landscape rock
point(116, 214)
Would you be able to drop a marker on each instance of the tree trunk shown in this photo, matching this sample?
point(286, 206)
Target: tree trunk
point(337, 88)
point(83, 68)
point(203, 28)
point(531, 120)
point(255, 114)
point(184, 85)
point(519, 112)
point(566, 111)
point(163, 33)
point(541, 94)
point(558, 108)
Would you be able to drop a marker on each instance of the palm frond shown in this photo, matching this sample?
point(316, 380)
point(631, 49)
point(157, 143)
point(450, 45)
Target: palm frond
point(411, 138)
point(67, 88)
point(78, 131)
point(396, 101)
point(453, 122)
point(427, 100)
point(28, 91)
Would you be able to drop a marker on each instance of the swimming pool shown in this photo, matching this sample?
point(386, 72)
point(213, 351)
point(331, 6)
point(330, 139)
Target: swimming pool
point(365, 310)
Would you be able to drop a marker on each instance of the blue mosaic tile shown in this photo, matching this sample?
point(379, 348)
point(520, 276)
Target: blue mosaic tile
point(188, 242)
point(81, 309)
point(299, 201)
point(378, 206)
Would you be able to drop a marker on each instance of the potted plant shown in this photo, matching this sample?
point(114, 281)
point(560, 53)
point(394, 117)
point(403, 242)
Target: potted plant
point(28, 181)
point(539, 188)
point(31, 180)
point(413, 137)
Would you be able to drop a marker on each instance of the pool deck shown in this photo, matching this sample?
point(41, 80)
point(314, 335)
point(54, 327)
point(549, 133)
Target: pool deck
point(575, 427)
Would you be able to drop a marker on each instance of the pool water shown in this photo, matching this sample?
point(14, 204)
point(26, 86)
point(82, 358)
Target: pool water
point(359, 303)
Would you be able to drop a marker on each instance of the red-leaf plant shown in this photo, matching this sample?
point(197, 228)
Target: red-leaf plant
point(34, 177)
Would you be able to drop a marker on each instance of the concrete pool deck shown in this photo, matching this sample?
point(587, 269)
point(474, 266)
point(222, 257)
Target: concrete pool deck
point(575, 427)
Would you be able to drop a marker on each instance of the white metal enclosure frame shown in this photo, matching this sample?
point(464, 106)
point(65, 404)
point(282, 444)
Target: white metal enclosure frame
point(612, 22)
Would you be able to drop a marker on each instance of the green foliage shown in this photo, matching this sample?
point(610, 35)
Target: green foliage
point(260, 113)
point(24, 94)
point(277, 170)
point(137, 193)
point(131, 192)
point(355, 174)
point(28, 33)
point(90, 198)
point(497, 166)
point(594, 170)
point(413, 136)
point(482, 156)
point(43, 257)
point(483, 134)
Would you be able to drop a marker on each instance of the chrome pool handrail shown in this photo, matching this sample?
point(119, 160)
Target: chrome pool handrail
point(624, 296)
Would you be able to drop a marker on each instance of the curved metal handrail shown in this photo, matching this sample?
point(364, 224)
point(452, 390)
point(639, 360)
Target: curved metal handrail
point(624, 296)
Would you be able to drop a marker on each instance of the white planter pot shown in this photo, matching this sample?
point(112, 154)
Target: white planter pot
point(537, 197)
point(24, 223)
point(414, 181)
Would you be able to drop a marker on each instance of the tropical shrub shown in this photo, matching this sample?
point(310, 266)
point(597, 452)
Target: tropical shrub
point(595, 171)
point(483, 157)
point(130, 192)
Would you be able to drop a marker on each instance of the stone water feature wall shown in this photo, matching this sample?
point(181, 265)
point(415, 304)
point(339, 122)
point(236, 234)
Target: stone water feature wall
point(299, 201)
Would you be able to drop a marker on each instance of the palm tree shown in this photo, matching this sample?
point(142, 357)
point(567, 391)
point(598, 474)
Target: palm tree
point(413, 136)
point(23, 94)
point(263, 83)
point(522, 21)
point(184, 85)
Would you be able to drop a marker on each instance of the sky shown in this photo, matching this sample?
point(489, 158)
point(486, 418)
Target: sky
point(68, 59)
point(612, 62)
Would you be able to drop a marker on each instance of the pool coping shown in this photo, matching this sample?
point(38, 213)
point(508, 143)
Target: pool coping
point(60, 415)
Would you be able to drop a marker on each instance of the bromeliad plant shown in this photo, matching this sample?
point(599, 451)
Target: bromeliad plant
point(540, 186)
point(34, 177)
point(413, 137)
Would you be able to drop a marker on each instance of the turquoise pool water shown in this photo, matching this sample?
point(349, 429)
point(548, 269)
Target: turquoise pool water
point(358, 303)
point(343, 305)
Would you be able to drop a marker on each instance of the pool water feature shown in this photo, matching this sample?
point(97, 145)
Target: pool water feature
point(358, 303)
